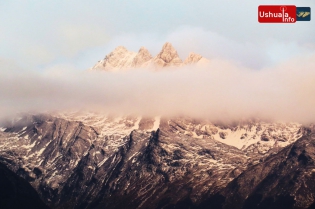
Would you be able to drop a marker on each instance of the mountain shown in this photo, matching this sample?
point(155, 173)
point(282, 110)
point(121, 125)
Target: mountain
point(122, 59)
point(16, 192)
point(285, 180)
point(83, 160)
point(89, 160)
point(119, 59)
point(195, 58)
point(167, 57)
point(142, 58)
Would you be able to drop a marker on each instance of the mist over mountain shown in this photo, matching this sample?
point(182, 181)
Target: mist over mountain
point(142, 131)
point(155, 105)
point(218, 90)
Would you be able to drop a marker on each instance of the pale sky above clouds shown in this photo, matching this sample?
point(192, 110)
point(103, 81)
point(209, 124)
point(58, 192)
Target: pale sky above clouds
point(256, 70)
point(38, 34)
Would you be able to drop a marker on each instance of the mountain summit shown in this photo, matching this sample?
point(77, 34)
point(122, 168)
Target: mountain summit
point(122, 59)
point(141, 58)
point(168, 56)
point(118, 59)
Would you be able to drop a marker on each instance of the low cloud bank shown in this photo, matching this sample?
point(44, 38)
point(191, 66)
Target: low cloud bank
point(220, 91)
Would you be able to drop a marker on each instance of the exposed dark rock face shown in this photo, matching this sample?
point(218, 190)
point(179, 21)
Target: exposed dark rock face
point(146, 173)
point(79, 163)
point(46, 151)
point(223, 135)
point(16, 192)
point(283, 181)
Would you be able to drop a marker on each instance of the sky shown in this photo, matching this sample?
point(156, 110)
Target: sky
point(264, 70)
point(38, 34)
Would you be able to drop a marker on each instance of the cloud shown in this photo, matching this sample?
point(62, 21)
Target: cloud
point(210, 44)
point(220, 91)
point(256, 70)
point(37, 33)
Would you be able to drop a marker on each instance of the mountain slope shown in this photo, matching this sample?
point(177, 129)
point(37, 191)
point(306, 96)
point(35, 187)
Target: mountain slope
point(17, 193)
point(285, 180)
point(85, 160)
point(167, 57)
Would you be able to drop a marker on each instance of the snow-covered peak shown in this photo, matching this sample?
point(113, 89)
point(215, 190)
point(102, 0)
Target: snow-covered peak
point(120, 48)
point(141, 58)
point(167, 57)
point(122, 59)
point(119, 59)
point(192, 58)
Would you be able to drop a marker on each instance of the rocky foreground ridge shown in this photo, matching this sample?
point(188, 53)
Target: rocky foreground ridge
point(122, 59)
point(89, 160)
point(16, 192)
point(282, 181)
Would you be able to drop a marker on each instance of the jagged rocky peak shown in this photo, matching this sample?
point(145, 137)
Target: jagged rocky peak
point(122, 59)
point(141, 58)
point(119, 53)
point(168, 56)
point(119, 49)
point(144, 52)
point(118, 59)
point(192, 58)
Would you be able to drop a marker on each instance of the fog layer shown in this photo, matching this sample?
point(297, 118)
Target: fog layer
point(219, 91)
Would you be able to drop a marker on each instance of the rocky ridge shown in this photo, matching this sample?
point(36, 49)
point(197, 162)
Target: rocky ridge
point(77, 160)
point(16, 192)
point(122, 59)
point(167, 57)
point(285, 180)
